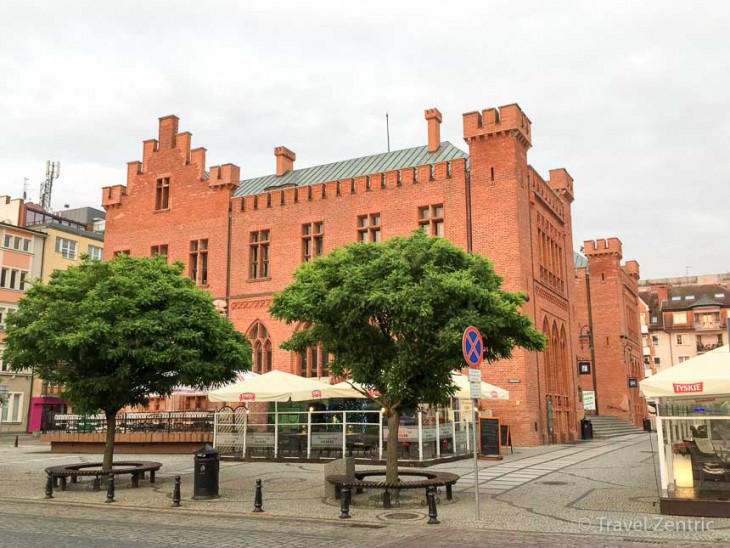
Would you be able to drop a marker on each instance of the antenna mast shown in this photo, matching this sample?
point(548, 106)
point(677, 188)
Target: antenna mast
point(387, 130)
point(25, 188)
point(53, 171)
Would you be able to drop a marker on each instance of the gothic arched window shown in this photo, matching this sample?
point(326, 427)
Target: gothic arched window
point(258, 336)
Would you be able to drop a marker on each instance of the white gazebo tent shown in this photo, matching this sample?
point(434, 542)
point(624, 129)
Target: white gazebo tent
point(694, 392)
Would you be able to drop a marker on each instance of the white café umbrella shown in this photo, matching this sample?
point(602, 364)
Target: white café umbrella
point(273, 386)
point(705, 375)
point(349, 389)
point(184, 390)
point(489, 391)
point(345, 389)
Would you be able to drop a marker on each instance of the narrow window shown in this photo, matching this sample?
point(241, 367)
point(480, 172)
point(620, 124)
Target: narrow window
point(312, 240)
point(162, 196)
point(193, 263)
point(198, 264)
point(203, 262)
point(259, 254)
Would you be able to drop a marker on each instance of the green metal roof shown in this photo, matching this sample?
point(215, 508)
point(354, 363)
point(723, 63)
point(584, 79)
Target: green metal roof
point(346, 169)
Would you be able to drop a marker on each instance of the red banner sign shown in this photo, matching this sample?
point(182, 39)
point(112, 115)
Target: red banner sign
point(687, 387)
point(316, 393)
point(247, 396)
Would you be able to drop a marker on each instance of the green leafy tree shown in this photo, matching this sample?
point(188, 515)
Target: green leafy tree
point(113, 332)
point(392, 315)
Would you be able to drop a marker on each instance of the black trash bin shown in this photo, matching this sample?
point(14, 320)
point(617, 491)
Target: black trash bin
point(647, 425)
point(586, 429)
point(205, 473)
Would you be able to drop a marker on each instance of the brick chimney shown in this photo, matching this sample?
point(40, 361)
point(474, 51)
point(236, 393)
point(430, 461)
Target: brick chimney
point(433, 116)
point(284, 160)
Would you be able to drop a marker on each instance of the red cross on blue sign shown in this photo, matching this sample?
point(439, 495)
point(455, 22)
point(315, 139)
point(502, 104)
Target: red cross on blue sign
point(472, 346)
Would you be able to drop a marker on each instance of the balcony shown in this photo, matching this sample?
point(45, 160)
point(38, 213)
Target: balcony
point(714, 325)
point(701, 348)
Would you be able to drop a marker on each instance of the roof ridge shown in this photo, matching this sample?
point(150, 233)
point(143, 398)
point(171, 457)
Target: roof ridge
point(353, 167)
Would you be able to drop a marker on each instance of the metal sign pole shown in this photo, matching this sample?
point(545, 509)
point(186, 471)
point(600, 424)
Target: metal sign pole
point(472, 347)
point(476, 467)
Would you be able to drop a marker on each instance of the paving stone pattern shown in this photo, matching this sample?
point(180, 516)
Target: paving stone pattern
point(583, 489)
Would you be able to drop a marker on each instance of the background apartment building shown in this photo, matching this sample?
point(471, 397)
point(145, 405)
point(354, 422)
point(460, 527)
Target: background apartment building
point(687, 316)
point(35, 243)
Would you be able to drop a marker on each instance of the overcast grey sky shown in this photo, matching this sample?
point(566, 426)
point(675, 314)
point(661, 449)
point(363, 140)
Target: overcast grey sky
point(631, 97)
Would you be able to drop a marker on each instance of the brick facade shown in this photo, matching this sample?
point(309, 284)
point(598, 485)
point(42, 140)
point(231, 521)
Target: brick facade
point(495, 204)
point(606, 299)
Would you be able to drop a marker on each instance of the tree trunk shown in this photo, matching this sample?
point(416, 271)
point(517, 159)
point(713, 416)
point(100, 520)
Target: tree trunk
point(111, 430)
point(391, 453)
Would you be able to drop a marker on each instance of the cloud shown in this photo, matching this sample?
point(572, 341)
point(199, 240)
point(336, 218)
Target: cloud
point(629, 97)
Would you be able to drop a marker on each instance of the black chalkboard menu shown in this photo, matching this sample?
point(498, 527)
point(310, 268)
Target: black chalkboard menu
point(489, 434)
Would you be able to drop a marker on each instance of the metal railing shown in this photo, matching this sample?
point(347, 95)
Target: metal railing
point(333, 434)
point(135, 422)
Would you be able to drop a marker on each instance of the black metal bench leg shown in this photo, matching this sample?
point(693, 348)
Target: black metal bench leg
point(449, 494)
point(152, 476)
point(96, 483)
point(63, 483)
point(135, 480)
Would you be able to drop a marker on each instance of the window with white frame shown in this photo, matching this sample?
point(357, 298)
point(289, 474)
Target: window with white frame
point(657, 360)
point(12, 411)
point(683, 359)
point(654, 340)
point(682, 339)
point(96, 253)
point(16, 242)
point(66, 247)
point(4, 311)
point(13, 278)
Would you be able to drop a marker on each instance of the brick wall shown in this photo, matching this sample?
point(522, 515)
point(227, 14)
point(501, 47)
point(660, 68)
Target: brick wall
point(511, 208)
point(615, 314)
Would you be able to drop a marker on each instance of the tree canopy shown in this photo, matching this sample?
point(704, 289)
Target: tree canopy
point(393, 314)
point(114, 332)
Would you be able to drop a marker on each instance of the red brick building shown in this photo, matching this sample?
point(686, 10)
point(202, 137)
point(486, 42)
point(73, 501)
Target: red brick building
point(242, 239)
point(608, 333)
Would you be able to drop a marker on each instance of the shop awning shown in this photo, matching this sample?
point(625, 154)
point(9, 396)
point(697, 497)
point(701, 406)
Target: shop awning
point(275, 386)
point(705, 375)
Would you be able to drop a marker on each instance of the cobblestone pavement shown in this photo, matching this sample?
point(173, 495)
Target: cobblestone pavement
point(603, 491)
point(48, 524)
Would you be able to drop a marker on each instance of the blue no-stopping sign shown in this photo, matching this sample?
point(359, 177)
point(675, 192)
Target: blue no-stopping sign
point(472, 346)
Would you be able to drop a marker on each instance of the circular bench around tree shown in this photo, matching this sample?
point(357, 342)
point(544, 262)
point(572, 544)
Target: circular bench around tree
point(430, 479)
point(136, 469)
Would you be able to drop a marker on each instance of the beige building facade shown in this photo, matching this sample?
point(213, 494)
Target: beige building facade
point(33, 244)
